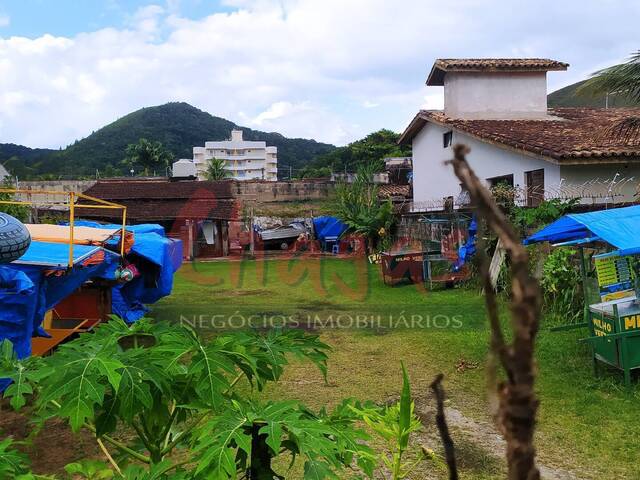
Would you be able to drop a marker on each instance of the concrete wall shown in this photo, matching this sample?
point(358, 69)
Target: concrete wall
point(432, 179)
point(600, 179)
point(496, 95)
point(284, 191)
point(53, 185)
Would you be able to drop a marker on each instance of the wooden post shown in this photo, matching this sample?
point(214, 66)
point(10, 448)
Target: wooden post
point(251, 233)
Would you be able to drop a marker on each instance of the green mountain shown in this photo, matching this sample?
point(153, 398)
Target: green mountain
point(178, 126)
point(566, 97)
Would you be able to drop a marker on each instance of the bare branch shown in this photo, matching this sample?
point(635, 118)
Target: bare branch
point(443, 428)
point(518, 404)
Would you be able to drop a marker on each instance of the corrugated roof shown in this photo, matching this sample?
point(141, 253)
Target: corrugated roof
point(443, 65)
point(575, 135)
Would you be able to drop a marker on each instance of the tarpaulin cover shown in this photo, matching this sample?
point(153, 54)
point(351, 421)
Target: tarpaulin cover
point(157, 257)
point(47, 254)
point(619, 227)
point(27, 292)
point(328, 227)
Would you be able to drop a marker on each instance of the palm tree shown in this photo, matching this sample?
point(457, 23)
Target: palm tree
point(148, 155)
point(621, 79)
point(215, 170)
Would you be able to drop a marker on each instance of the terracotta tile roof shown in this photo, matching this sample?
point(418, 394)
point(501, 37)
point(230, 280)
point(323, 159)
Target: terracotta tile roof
point(443, 65)
point(571, 135)
point(164, 210)
point(387, 191)
point(152, 189)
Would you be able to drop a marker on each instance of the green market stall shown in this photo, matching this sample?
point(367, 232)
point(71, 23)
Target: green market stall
point(608, 242)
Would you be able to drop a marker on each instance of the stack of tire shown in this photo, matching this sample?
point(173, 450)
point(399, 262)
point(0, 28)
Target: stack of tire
point(14, 238)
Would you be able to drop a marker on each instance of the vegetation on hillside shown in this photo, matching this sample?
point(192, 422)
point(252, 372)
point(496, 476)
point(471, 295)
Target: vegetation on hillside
point(178, 126)
point(147, 157)
point(368, 151)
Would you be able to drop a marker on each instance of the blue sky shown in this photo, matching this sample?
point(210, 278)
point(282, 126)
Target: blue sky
point(332, 70)
point(32, 18)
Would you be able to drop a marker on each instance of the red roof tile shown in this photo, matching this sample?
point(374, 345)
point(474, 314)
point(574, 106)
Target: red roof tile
point(163, 210)
point(571, 135)
point(149, 189)
point(443, 65)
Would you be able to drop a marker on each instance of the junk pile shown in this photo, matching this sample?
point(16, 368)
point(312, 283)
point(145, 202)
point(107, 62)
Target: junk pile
point(68, 279)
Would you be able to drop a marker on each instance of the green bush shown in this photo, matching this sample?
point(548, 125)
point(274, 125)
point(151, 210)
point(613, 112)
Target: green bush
point(561, 286)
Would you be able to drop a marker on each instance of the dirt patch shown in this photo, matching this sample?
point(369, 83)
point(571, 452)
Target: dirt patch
point(478, 444)
point(50, 448)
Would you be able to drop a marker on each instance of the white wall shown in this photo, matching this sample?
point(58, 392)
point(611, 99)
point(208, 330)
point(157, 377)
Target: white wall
point(600, 177)
point(495, 95)
point(433, 180)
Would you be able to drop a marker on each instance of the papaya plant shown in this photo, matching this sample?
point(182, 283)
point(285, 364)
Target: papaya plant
point(177, 393)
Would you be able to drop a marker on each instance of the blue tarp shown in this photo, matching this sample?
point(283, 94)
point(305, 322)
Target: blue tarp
point(28, 291)
point(157, 257)
point(619, 227)
point(47, 254)
point(328, 227)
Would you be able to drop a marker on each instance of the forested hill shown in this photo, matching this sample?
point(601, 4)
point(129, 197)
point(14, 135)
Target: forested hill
point(178, 126)
point(566, 97)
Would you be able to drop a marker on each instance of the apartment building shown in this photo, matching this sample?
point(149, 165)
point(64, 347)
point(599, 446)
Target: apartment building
point(244, 160)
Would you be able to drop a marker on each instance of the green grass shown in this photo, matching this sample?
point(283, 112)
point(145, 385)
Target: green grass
point(586, 424)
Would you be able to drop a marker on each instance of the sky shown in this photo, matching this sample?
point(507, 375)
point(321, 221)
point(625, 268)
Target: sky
point(331, 70)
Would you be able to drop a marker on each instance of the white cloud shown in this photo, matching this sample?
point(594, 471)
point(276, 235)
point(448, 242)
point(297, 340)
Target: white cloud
point(300, 67)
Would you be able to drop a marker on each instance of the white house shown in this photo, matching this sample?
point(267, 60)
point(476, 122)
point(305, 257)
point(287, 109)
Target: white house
point(244, 160)
point(498, 108)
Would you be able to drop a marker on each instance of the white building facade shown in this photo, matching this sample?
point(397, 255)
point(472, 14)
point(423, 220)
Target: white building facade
point(498, 108)
point(244, 160)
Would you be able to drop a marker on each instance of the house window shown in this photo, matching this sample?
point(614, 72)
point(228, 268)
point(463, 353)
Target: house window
point(447, 138)
point(501, 180)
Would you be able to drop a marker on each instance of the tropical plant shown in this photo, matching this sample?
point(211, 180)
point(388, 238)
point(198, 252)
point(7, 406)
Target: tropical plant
point(147, 155)
point(357, 204)
point(622, 79)
point(546, 212)
point(560, 284)
point(12, 462)
point(175, 391)
point(216, 170)
point(394, 424)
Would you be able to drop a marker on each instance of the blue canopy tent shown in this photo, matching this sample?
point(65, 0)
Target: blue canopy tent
point(619, 227)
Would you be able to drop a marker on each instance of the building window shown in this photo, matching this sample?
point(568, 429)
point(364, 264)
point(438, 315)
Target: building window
point(501, 180)
point(447, 138)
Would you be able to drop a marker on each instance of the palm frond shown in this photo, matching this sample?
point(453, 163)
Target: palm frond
point(620, 79)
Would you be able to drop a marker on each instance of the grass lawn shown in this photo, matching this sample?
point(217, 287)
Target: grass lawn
point(587, 425)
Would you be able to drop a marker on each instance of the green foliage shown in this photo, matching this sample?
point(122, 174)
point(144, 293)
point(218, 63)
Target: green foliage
point(394, 424)
point(178, 126)
point(236, 439)
point(548, 211)
point(623, 78)
point(216, 171)
point(561, 285)
point(21, 212)
point(147, 155)
point(368, 151)
point(357, 205)
point(13, 464)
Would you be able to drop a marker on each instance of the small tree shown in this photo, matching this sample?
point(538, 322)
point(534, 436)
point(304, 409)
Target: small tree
point(216, 171)
point(148, 155)
point(21, 212)
point(357, 204)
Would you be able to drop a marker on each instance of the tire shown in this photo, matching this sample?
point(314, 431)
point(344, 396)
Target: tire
point(14, 238)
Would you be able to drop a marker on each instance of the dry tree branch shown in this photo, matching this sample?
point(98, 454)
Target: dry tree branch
point(517, 400)
point(443, 428)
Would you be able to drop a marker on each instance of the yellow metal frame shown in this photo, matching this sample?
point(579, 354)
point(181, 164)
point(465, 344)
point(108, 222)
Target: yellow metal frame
point(72, 197)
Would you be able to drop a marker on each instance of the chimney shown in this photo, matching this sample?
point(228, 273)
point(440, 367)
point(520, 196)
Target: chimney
point(236, 135)
point(494, 88)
